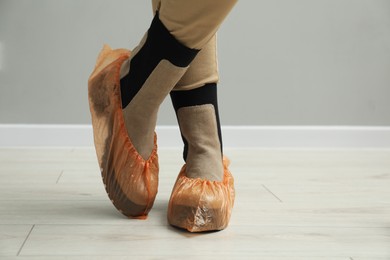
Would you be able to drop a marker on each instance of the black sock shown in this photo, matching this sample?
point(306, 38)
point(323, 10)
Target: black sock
point(206, 94)
point(159, 45)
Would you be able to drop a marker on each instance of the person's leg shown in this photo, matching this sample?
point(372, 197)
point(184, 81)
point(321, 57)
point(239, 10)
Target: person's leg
point(193, 23)
point(187, 26)
point(195, 101)
point(125, 92)
point(154, 67)
point(124, 115)
point(203, 196)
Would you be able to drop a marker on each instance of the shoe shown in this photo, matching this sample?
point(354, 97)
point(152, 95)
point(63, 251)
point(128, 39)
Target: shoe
point(199, 205)
point(125, 92)
point(130, 181)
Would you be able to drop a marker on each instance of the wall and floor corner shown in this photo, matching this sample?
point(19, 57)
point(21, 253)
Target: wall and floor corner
point(293, 73)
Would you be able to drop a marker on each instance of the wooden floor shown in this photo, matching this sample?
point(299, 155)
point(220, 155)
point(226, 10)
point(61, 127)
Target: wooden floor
point(291, 204)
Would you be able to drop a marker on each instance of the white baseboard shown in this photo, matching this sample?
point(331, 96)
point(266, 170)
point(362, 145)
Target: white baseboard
point(233, 136)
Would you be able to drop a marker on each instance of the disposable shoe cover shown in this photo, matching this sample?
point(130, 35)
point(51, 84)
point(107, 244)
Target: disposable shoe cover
point(130, 181)
point(201, 205)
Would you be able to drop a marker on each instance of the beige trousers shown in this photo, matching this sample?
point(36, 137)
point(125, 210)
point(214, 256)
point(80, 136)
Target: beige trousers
point(194, 23)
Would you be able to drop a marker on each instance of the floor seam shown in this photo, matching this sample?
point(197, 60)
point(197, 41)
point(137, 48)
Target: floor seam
point(272, 193)
point(25, 240)
point(59, 177)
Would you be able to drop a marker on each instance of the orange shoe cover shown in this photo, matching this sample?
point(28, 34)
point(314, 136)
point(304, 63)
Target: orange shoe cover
point(200, 205)
point(130, 181)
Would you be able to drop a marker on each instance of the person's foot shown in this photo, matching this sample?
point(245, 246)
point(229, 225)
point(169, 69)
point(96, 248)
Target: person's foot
point(125, 94)
point(199, 205)
point(131, 183)
point(203, 195)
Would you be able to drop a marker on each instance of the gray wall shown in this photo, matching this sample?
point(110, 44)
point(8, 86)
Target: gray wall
point(301, 62)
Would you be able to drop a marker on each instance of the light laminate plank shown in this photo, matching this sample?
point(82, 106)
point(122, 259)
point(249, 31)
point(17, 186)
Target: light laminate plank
point(176, 257)
point(39, 191)
point(370, 258)
point(12, 238)
point(338, 194)
point(34, 154)
point(32, 177)
point(312, 175)
point(234, 241)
